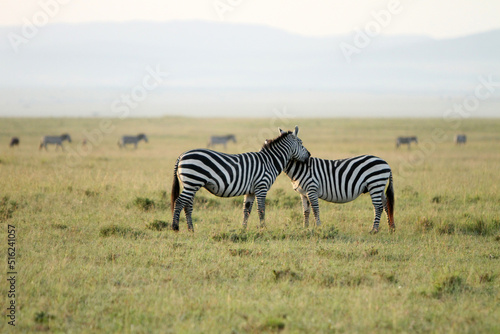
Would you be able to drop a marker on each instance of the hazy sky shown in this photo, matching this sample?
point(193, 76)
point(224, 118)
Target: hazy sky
point(436, 18)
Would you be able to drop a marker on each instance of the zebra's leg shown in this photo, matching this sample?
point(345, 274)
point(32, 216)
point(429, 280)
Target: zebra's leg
point(261, 206)
point(378, 207)
point(313, 199)
point(247, 208)
point(188, 210)
point(307, 209)
point(392, 227)
point(185, 199)
point(386, 209)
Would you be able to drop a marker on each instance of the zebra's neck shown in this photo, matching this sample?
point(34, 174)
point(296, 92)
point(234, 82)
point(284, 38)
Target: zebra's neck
point(279, 155)
point(294, 169)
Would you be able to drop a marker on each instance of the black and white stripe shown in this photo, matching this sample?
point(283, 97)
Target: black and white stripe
point(341, 181)
point(227, 175)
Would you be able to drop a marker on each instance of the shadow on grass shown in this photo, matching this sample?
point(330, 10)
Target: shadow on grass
point(112, 230)
point(266, 235)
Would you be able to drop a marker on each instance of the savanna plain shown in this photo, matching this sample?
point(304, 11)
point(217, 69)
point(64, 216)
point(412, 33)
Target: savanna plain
point(95, 252)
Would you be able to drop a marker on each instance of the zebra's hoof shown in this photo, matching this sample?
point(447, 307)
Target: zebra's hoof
point(374, 231)
point(175, 228)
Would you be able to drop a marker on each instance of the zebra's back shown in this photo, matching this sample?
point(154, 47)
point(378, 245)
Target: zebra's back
point(224, 175)
point(341, 181)
point(129, 140)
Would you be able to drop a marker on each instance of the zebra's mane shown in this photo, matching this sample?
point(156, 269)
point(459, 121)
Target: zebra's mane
point(271, 142)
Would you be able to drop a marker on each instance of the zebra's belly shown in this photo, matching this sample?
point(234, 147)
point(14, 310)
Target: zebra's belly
point(230, 190)
point(336, 198)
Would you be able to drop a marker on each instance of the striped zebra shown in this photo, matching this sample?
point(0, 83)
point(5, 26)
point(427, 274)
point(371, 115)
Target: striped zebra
point(342, 181)
point(460, 139)
point(223, 140)
point(406, 140)
point(227, 175)
point(132, 140)
point(57, 140)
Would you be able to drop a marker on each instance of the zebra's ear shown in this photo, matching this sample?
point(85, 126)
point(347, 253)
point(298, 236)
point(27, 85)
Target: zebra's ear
point(296, 132)
point(281, 131)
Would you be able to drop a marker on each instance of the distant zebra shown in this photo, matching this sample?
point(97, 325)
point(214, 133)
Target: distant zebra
point(227, 175)
point(57, 140)
point(460, 139)
point(132, 140)
point(342, 181)
point(406, 140)
point(14, 141)
point(216, 140)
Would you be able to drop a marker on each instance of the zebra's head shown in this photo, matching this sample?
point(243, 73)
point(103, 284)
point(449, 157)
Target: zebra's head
point(142, 136)
point(299, 152)
point(66, 136)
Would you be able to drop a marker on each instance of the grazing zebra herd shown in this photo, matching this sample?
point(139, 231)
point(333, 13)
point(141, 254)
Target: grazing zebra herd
point(58, 141)
point(252, 174)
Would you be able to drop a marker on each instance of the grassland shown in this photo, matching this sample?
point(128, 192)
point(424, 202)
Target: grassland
point(92, 255)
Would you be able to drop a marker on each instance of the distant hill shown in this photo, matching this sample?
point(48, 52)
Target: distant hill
point(228, 70)
point(206, 55)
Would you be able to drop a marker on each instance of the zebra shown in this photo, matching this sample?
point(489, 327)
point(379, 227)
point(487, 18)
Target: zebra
point(226, 175)
point(14, 141)
point(342, 181)
point(406, 140)
point(57, 140)
point(460, 139)
point(215, 140)
point(132, 140)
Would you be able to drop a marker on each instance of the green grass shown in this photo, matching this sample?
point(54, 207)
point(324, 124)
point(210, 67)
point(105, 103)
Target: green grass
point(95, 252)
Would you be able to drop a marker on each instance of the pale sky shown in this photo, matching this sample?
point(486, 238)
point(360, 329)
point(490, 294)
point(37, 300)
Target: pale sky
point(435, 18)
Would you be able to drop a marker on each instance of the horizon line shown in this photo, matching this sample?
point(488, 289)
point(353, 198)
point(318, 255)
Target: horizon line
point(216, 22)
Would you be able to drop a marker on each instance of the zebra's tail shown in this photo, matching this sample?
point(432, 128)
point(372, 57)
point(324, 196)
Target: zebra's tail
point(175, 187)
point(390, 203)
